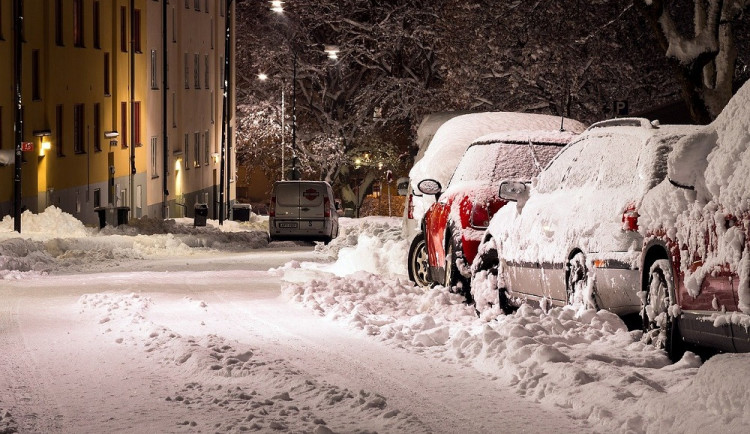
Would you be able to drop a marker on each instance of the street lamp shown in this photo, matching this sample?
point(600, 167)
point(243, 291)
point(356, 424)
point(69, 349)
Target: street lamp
point(264, 77)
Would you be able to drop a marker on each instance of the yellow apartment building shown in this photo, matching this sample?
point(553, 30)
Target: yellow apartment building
point(109, 131)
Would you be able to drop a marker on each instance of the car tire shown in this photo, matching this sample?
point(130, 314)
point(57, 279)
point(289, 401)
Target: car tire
point(660, 328)
point(419, 267)
point(453, 279)
point(488, 262)
point(577, 282)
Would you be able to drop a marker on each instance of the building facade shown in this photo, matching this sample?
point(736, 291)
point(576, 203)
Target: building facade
point(109, 130)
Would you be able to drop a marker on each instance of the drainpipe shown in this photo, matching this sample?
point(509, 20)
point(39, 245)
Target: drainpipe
point(165, 98)
point(132, 107)
point(18, 125)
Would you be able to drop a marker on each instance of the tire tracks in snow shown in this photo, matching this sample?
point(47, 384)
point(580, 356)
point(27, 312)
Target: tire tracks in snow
point(25, 404)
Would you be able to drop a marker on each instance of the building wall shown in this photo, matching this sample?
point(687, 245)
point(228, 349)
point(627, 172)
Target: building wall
point(114, 171)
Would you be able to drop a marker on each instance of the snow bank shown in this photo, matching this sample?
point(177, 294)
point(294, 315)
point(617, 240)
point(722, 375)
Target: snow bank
point(586, 362)
point(54, 241)
point(373, 244)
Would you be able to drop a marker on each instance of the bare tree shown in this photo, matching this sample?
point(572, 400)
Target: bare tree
point(704, 56)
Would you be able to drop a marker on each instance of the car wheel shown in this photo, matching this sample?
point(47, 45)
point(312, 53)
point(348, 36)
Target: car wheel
point(419, 268)
point(577, 283)
point(453, 278)
point(659, 325)
point(485, 288)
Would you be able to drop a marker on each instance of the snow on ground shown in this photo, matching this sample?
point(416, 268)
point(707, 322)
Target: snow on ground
point(588, 365)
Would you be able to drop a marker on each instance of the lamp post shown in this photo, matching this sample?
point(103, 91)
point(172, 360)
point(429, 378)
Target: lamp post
point(264, 77)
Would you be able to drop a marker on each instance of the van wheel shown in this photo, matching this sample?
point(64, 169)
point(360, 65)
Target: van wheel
point(419, 267)
point(659, 326)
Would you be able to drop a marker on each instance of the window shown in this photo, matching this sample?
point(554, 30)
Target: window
point(174, 111)
point(197, 70)
point(78, 23)
point(187, 71)
point(212, 33)
point(207, 7)
point(106, 75)
point(1, 127)
point(197, 149)
point(36, 94)
point(124, 123)
point(205, 70)
point(154, 157)
point(221, 71)
point(222, 7)
point(58, 23)
point(206, 147)
point(154, 75)
point(198, 5)
point(187, 151)
point(97, 127)
point(1, 26)
point(213, 105)
point(137, 124)
point(174, 28)
point(97, 25)
point(137, 31)
point(78, 123)
point(97, 197)
point(123, 29)
point(59, 130)
point(187, 4)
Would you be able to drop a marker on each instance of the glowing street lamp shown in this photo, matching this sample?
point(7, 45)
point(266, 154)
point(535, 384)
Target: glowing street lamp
point(277, 6)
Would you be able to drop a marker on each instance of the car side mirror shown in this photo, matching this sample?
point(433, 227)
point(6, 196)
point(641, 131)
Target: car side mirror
point(514, 191)
point(430, 187)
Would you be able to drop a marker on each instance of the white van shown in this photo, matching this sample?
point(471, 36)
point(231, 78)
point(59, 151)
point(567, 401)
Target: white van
point(303, 210)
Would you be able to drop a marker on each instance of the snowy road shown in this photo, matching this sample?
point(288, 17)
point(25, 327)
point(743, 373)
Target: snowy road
point(205, 343)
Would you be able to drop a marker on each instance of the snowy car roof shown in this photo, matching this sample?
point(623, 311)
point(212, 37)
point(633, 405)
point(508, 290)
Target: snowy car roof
point(456, 134)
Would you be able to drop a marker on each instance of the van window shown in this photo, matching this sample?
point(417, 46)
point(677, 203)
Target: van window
point(287, 194)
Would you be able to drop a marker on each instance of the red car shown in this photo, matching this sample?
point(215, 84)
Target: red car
point(453, 226)
point(696, 254)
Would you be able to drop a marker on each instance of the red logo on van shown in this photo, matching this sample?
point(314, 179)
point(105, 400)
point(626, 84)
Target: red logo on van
point(311, 194)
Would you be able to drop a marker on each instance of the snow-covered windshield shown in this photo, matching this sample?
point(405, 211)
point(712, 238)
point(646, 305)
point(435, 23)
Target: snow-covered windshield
point(495, 162)
point(589, 162)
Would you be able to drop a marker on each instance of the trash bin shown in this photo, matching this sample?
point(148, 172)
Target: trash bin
point(101, 212)
point(201, 214)
point(122, 215)
point(241, 212)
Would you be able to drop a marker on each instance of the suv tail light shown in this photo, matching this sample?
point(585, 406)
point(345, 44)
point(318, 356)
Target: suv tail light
point(326, 207)
point(480, 216)
point(272, 209)
point(411, 207)
point(630, 219)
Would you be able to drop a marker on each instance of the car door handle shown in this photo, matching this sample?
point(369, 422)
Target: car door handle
point(305, 209)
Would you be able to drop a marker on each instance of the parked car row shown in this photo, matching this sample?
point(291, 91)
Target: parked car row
point(638, 218)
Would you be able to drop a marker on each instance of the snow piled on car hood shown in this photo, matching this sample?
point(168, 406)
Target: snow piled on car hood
point(588, 364)
point(455, 135)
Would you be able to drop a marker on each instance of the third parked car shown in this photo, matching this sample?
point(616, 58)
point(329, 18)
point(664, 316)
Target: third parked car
point(696, 255)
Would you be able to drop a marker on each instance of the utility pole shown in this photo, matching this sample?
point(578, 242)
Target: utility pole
point(18, 125)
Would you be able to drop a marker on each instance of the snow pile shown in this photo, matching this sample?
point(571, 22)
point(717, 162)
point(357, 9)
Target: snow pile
point(53, 222)
point(589, 363)
point(373, 244)
point(55, 241)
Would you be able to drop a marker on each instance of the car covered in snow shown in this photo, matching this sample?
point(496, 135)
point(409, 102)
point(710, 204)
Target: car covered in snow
point(455, 223)
point(696, 254)
point(572, 238)
point(443, 138)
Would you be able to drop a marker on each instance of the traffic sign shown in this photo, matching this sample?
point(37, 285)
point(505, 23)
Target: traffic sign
point(27, 146)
